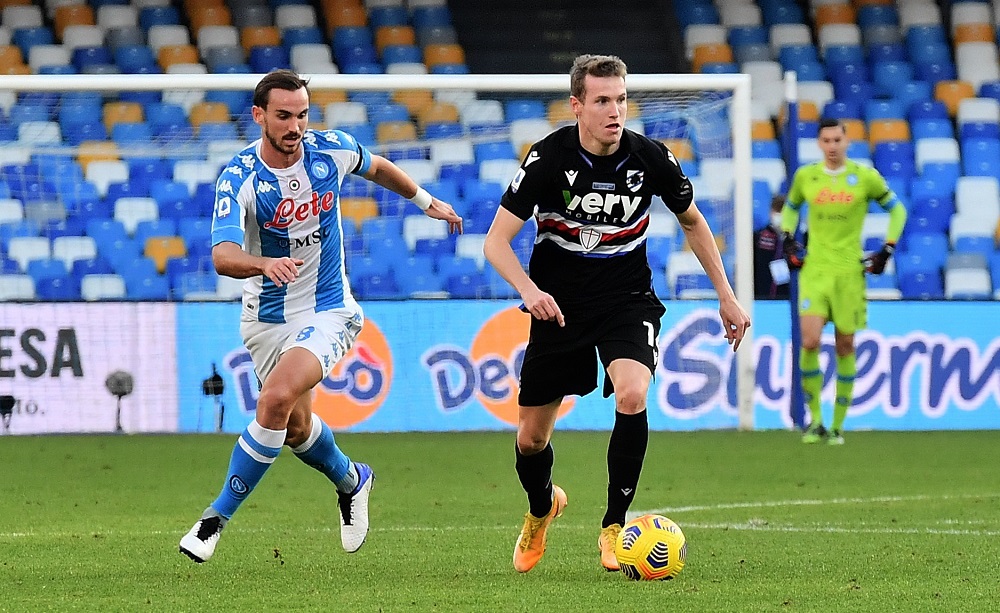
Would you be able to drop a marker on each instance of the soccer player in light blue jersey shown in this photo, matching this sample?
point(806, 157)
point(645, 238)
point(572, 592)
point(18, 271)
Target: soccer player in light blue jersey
point(277, 224)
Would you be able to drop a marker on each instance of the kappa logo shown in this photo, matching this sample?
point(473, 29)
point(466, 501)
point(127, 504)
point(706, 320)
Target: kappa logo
point(236, 170)
point(571, 176)
point(226, 186)
point(248, 160)
point(532, 158)
point(633, 180)
point(590, 238)
point(264, 187)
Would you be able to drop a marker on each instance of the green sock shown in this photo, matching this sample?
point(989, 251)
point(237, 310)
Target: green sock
point(812, 383)
point(846, 370)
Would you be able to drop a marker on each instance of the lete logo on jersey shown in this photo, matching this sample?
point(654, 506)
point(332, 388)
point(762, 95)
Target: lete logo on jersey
point(289, 211)
point(488, 370)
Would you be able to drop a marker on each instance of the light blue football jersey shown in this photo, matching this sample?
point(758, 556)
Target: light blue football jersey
point(290, 212)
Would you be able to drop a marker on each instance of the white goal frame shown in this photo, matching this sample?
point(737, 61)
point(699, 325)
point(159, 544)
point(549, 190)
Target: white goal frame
point(739, 112)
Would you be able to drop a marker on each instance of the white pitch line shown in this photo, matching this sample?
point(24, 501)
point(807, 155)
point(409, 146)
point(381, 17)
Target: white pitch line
point(765, 504)
point(759, 527)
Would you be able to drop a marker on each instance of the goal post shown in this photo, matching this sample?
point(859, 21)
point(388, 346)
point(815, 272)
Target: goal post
point(728, 92)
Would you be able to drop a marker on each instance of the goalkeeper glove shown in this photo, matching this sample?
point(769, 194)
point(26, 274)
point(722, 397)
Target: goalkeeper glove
point(875, 263)
point(793, 251)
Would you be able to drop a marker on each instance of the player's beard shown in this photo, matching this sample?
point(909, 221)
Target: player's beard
point(281, 145)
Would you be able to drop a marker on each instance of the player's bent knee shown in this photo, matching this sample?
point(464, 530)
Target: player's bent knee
point(276, 401)
point(630, 400)
point(529, 444)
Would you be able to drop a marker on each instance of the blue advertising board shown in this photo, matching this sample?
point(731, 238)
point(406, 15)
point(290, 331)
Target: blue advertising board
point(451, 365)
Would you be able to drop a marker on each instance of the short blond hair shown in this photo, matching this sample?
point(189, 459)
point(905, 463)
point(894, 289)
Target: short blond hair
point(595, 66)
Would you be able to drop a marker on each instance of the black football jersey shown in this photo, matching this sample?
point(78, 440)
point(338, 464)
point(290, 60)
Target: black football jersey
point(592, 213)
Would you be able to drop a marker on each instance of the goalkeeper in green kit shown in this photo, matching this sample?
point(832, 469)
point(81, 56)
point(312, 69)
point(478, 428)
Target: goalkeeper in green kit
point(832, 282)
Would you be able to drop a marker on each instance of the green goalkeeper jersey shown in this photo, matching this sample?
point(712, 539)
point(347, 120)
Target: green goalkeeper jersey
point(838, 203)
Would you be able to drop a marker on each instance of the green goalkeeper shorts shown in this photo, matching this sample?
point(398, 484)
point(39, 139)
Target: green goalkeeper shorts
point(835, 296)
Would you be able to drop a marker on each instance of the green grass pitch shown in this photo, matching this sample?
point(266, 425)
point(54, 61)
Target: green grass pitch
point(889, 522)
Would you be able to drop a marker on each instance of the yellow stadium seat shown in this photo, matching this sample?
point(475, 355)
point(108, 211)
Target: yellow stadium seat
point(10, 55)
point(443, 54)
point(827, 14)
point(5, 3)
point(855, 129)
point(262, 36)
point(680, 147)
point(324, 97)
point(953, 92)
point(121, 112)
point(72, 15)
point(358, 209)
point(762, 129)
point(711, 53)
point(96, 151)
point(162, 248)
point(974, 33)
point(394, 35)
point(560, 112)
point(415, 100)
point(439, 112)
point(344, 15)
point(208, 111)
point(15, 69)
point(394, 131)
point(202, 16)
point(881, 130)
point(176, 54)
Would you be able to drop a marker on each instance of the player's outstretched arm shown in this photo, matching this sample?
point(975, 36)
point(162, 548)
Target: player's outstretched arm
point(383, 172)
point(699, 235)
point(501, 256)
point(232, 261)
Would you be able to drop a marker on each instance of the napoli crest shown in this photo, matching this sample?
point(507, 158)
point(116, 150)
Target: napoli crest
point(589, 238)
point(852, 179)
point(320, 170)
point(633, 179)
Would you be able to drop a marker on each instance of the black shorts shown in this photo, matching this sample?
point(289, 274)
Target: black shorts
point(563, 361)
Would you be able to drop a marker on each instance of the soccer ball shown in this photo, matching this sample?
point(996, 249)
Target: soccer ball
point(651, 548)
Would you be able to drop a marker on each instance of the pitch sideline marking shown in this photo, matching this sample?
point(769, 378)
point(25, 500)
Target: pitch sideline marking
point(766, 504)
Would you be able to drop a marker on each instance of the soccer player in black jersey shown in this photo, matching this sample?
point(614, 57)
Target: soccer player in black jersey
point(589, 288)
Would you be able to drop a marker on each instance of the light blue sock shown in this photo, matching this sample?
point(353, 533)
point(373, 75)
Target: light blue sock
point(321, 452)
point(253, 454)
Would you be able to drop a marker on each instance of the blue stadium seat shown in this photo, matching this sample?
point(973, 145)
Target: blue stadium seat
point(125, 190)
point(217, 130)
point(150, 228)
point(894, 159)
point(388, 112)
point(524, 108)
point(696, 12)
point(58, 289)
point(746, 35)
point(979, 129)
point(981, 157)
point(89, 56)
point(922, 251)
point(132, 133)
point(394, 54)
point(237, 102)
point(930, 53)
point(890, 77)
point(46, 269)
point(26, 38)
point(95, 266)
point(301, 36)
point(158, 16)
point(976, 244)
point(134, 58)
point(928, 109)
point(781, 12)
point(931, 128)
point(376, 286)
point(872, 15)
point(922, 286)
point(884, 109)
point(933, 72)
point(416, 275)
point(355, 56)
point(430, 16)
point(379, 16)
point(885, 52)
point(264, 59)
point(151, 288)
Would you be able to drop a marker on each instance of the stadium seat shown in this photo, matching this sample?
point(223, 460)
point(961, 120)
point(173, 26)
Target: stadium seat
point(16, 287)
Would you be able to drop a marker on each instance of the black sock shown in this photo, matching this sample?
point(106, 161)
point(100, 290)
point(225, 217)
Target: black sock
point(535, 473)
point(626, 451)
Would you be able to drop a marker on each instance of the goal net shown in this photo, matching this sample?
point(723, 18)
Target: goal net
point(107, 188)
